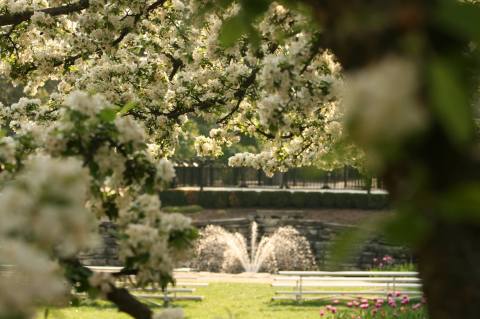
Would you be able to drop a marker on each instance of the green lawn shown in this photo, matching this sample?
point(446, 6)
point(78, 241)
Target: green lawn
point(222, 301)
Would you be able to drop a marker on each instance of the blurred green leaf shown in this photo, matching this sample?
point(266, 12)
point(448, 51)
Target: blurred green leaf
point(232, 29)
point(461, 17)
point(408, 227)
point(242, 23)
point(108, 115)
point(461, 204)
point(450, 100)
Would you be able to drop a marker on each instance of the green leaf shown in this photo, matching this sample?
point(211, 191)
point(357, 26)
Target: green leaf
point(460, 17)
point(450, 100)
point(461, 204)
point(408, 227)
point(232, 30)
point(242, 23)
point(127, 107)
point(108, 115)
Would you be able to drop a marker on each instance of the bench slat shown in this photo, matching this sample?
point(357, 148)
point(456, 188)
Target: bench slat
point(349, 285)
point(351, 273)
point(168, 297)
point(372, 279)
point(347, 293)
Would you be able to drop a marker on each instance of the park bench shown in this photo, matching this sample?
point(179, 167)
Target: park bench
point(314, 285)
point(186, 282)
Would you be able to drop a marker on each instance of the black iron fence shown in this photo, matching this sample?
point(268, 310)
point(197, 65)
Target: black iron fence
point(214, 175)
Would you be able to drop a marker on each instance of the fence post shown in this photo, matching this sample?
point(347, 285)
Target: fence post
point(211, 177)
point(259, 177)
point(243, 182)
point(284, 181)
point(200, 175)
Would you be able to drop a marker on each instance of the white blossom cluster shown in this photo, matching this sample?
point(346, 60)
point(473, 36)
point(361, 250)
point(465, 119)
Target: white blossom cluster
point(101, 165)
point(43, 218)
point(33, 280)
point(283, 88)
point(147, 232)
point(45, 206)
point(382, 106)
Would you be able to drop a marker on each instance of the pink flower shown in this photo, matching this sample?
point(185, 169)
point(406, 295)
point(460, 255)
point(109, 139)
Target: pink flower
point(405, 300)
point(333, 309)
point(380, 301)
point(364, 301)
point(416, 306)
point(335, 301)
point(397, 294)
point(355, 303)
point(349, 304)
point(364, 306)
point(328, 307)
point(322, 313)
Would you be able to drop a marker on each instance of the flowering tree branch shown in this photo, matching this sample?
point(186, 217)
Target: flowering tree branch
point(16, 18)
point(240, 94)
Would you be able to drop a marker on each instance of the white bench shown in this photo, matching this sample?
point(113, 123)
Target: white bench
point(345, 284)
point(185, 280)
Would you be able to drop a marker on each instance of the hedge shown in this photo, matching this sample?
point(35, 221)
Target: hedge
point(274, 199)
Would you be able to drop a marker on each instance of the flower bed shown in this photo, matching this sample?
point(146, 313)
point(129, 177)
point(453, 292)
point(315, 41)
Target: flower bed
point(394, 306)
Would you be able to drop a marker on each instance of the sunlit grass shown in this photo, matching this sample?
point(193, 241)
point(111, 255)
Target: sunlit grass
point(222, 300)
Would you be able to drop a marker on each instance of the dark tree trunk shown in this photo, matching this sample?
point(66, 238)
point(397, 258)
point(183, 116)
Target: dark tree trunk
point(449, 252)
point(449, 265)
point(128, 304)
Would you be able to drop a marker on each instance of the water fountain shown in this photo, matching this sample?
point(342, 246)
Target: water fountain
point(222, 251)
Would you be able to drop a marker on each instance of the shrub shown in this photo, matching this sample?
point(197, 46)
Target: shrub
point(189, 209)
point(274, 199)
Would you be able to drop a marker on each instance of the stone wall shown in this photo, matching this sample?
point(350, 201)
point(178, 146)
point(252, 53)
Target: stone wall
point(319, 234)
point(107, 251)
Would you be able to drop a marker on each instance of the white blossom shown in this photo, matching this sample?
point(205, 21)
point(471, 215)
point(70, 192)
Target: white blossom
point(165, 170)
point(381, 102)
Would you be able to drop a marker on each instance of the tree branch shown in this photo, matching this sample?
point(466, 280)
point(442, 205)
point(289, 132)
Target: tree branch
point(16, 18)
point(121, 297)
point(240, 95)
point(127, 303)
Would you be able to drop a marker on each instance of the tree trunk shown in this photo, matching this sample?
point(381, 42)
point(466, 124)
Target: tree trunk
point(449, 265)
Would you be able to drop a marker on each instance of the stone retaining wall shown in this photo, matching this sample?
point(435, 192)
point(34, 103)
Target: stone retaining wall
point(319, 234)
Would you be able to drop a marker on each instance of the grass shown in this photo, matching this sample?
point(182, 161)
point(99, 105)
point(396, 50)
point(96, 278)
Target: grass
point(226, 301)
point(222, 301)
